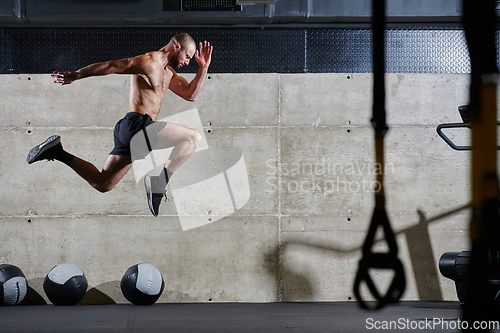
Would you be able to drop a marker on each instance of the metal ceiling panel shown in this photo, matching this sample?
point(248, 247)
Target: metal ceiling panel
point(170, 12)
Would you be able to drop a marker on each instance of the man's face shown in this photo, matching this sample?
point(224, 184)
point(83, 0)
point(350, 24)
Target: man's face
point(183, 56)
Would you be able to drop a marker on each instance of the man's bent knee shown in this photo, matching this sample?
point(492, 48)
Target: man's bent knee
point(195, 138)
point(103, 188)
point(115, 167)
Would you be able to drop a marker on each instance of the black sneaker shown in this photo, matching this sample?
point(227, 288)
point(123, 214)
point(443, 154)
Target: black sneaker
point(155, 191)
point(154, 199)
point(46, 150)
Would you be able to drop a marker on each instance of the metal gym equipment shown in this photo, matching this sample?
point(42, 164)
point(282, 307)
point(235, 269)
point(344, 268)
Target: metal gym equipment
point(478, 277)
point(456, 265)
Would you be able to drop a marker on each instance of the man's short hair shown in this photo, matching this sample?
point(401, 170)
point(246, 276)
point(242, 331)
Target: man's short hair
point(184, 39)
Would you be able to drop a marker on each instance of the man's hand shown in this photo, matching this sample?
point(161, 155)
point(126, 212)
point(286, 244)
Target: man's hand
point(204, 54)
point(64, 77)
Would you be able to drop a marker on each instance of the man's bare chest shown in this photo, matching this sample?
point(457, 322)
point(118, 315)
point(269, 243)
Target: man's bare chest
point(162, 80)
point(158, 83)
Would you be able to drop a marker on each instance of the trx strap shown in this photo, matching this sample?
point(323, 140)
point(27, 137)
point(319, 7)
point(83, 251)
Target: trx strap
point(149, 146)
point(484, 270)
point(147, 139)
point(385, 260)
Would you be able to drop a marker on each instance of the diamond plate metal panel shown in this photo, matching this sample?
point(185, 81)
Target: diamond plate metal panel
point(338, 51)
point(6, 53)
point(235, 50)
point(407, 51)
point(426, 51)
point(43, 50)
point(255, 51)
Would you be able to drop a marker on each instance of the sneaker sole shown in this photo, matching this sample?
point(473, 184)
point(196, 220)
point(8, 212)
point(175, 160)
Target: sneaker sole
point(36, 151)
point(149, 193)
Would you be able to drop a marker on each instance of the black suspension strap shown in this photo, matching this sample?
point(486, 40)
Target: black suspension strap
point(385, 260)
point(147, 139)
point(149, 146)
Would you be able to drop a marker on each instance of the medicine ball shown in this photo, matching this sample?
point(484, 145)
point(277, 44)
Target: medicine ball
point(65, 285)
point(13, 285)
point(142, 284)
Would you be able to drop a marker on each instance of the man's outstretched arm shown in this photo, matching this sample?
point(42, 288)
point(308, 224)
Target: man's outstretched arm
point(190, 91)
point(136, 65)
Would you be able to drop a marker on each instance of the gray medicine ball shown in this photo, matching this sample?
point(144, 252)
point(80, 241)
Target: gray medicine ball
point(142, 284)
point(13, 285)
point(65, 284)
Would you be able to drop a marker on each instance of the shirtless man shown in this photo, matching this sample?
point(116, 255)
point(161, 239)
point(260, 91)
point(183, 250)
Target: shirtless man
point(152, 75)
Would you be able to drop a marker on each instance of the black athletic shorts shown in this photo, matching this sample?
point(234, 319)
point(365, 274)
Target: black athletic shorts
point(126, 128)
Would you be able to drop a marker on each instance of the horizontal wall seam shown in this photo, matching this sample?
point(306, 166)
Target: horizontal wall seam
point(93, 128)
point(14, 128)
point(239, 215)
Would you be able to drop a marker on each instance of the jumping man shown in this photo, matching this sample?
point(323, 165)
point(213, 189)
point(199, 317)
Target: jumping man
point(152, 75)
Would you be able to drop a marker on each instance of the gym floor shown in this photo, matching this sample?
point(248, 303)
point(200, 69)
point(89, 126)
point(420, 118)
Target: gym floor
point(414, 316)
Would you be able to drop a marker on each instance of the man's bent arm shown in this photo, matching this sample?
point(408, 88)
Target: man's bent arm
point(188, 91)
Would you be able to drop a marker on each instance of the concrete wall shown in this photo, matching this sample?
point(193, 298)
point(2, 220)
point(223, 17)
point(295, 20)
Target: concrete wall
point(307, 143)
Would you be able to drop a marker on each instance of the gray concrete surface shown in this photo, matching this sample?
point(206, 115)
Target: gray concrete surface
point(308, 148)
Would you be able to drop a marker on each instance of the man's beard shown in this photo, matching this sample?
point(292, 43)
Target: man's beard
point(174, 60)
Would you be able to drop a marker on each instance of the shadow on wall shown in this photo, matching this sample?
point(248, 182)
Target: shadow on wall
point(298, 282)
point(95, 295)
point(298, 287)
point(33, 296)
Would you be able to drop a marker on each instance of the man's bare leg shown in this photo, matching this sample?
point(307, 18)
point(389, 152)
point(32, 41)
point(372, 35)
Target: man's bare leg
point(115, 167)
point(184, 140)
